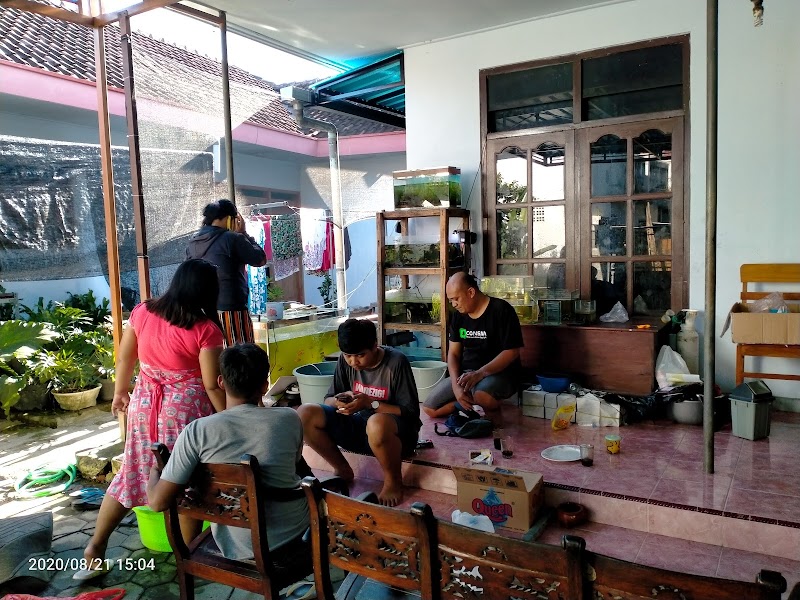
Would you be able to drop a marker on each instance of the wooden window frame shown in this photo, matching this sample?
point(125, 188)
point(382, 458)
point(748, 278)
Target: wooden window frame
point(578, 262)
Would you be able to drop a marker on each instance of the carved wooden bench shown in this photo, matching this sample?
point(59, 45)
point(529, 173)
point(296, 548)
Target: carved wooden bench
point(611, 579)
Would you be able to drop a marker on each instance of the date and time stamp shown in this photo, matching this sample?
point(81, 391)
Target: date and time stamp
point(95, 564)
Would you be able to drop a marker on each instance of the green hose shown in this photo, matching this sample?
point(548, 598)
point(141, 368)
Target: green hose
point(30, 484)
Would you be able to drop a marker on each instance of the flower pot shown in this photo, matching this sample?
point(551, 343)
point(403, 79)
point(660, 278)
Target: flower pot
point(107, 390)
point(77, 400)
point(571, 514)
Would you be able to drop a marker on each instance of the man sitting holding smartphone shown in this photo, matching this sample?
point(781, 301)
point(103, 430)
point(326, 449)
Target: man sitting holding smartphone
point(372, 407)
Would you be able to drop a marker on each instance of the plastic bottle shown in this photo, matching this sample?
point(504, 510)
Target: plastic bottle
point(689, 342)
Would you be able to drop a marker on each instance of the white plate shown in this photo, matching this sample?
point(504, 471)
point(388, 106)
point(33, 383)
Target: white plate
point(565, 453)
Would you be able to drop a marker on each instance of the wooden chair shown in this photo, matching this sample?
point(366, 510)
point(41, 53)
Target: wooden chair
point(229, 494)
point(386, 551)
point(613, 578)
point(476, 564)
point(788, 273)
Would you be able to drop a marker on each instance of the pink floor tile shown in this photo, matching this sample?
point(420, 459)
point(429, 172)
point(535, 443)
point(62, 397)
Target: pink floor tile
point(707, 494)
point(604, 539)
point(762, 504)
point(681, 555)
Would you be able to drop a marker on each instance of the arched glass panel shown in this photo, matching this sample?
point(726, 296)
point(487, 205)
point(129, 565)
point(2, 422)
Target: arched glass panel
point(652, 162)
point(547, 172)
point(608, 159)
point(512, 176)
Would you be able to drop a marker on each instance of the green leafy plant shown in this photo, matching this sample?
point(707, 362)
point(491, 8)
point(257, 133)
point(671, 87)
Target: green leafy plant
point(103, 356)
point(19, 344)
point(274, 293)
point(326, 289)
point(66, 370)
point(98, 312)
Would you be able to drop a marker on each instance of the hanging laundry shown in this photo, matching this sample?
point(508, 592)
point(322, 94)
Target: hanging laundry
point(313, 232)
point(257, 276)
point(286, 237)
point(329, 251)
point(268, 238)
point(281, 269)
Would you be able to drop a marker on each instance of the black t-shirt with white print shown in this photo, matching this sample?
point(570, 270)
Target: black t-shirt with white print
point(482, 339)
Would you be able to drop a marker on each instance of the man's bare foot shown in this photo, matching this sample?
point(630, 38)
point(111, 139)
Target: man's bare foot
point(391, 494)
point(345, 473)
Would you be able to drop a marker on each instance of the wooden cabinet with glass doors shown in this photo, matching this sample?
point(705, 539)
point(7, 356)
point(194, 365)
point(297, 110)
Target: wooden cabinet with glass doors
point(418, 250)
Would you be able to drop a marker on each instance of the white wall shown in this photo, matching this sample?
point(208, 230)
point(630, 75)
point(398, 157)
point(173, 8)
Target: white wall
point(759, 82)
point(267, 173)
point(366, 189)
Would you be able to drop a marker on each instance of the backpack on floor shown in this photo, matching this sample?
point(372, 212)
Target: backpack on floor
point(465, 424)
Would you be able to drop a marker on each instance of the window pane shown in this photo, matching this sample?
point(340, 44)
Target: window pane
point(651, 287)
point(549, 232)
point(609, 220)
point(652, 230)
point(633, 82)
point(547, 172)
point(512, 177)
point(652, 162)
point(608, 285)
point(530, 98)
point(512, 233)
point(609, 156)
point(512, 269)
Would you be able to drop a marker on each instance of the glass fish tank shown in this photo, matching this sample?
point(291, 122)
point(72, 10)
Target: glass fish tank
point(529, 301)
point(410, 306)
point(413, 251)
point(427, 188)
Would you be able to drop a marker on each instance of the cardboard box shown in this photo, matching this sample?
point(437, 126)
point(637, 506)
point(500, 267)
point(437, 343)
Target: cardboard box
point(510, 498)
point(764, 328)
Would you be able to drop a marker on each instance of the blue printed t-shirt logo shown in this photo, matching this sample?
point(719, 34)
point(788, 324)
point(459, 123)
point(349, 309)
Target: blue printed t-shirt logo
point(466, 334)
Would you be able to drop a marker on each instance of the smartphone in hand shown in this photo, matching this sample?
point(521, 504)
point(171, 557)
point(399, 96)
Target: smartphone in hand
point(344, 398)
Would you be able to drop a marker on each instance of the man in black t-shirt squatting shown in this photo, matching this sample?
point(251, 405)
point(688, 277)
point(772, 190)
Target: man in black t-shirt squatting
point(483, 359)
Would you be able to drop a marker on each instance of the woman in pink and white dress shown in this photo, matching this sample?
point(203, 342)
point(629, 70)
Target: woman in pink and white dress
point(177, 340)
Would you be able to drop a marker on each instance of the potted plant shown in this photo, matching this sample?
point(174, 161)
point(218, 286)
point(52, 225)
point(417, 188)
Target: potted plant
point(19, 345)
point(274, 304)
point(105, 361)
point(75, 380)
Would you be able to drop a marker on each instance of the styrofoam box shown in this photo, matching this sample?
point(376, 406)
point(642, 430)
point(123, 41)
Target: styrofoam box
point(532, 398)
point(557, 400)
point(533, 411)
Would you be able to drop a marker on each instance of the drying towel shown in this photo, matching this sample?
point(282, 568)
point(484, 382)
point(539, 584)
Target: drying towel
point(286, 237)
point(281, 269)
point(257, 276)
point(313, 231)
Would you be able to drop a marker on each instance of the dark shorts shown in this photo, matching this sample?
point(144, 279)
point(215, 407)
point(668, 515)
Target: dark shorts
point(350, 432)
point(497, 386)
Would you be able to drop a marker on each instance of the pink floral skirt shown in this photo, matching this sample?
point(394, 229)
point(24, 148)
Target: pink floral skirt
point(183, 399)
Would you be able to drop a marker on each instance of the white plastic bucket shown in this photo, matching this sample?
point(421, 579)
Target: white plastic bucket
point(314, 380)
point(427, 374)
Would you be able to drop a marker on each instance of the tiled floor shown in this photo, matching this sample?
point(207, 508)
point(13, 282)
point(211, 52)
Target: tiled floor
point(659, 473)
point(656, 483)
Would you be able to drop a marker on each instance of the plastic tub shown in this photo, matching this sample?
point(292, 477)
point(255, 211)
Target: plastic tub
point(314, 380)
point(427, 373)
point(553, 383)
point(153, 529)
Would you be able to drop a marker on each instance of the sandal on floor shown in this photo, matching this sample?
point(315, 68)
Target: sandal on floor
point(89, 499)
point(289, 592)
point(89, 574)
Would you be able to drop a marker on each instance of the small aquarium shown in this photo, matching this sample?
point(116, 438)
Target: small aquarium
point(410, 306)
point(427, 188)
point(414, 251)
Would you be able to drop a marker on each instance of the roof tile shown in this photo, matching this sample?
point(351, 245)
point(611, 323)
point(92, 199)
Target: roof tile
point(164, 72)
